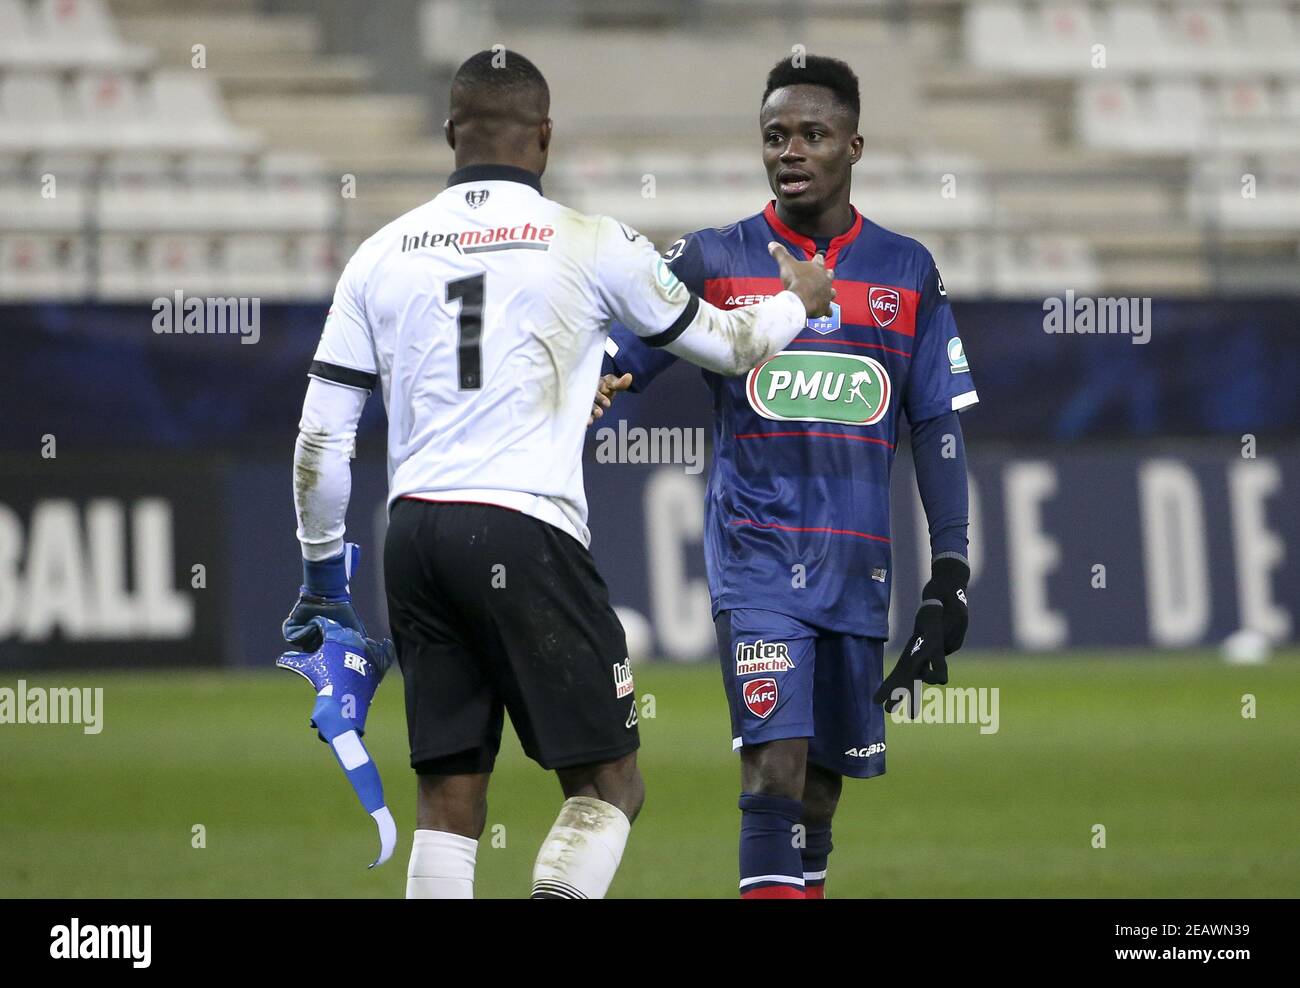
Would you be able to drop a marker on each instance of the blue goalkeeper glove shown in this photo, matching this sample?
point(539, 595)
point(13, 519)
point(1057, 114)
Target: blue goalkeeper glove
point(324, 593)
point(939, 630)
point(345, 671)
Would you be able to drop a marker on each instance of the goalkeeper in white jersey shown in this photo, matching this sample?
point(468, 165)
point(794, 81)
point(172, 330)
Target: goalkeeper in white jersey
point(482, 315)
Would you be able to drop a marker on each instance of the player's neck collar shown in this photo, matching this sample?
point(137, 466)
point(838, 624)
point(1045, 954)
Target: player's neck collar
point(495, 173)
point(794, 237)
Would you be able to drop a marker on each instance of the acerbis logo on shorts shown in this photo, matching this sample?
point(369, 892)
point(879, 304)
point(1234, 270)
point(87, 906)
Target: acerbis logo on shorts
point(622, 678)
point(760, 696)
point(761, 656)
point(872, 749)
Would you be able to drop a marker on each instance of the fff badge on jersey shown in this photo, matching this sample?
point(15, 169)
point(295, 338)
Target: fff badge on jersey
point(826, 324)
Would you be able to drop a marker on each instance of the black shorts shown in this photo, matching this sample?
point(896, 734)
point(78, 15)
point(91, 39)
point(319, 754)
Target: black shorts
point(492, 610)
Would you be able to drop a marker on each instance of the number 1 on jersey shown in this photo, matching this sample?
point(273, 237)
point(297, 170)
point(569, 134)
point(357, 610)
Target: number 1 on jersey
point(469, 329)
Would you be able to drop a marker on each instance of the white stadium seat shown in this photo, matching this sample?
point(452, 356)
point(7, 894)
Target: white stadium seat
point(32, 112)
point(184, 111)
point(1038, 266)
point(80, 34)
point(16, 39)
point(24, 208)
point(35, 266)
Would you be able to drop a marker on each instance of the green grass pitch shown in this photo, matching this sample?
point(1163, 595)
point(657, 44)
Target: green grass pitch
point(1196, 799)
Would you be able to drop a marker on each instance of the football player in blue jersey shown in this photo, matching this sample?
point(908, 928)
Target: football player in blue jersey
point(797, 535)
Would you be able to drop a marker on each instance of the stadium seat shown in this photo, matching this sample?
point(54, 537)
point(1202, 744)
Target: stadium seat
point(1038, 266)
point(1271, 34)
point(1109, 115)
point(185, 262)
point(15, 34)
point(994, 32)
point(258, 266)
point(24, 209)
point(105, 110)
point(32, 113)
point(80, 34)
point(121, 273)
point(185, 112)
point(1215, 194)
point(36, 267)
point(1201, 34)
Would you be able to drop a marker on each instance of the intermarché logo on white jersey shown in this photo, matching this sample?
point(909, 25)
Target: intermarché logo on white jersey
point(523, 236)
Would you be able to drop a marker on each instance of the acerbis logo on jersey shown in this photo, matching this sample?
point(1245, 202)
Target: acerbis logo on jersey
point(525, 237)
point(622, 678)
point(866, 752)
point(761, 656)
point(884, 304)
point(820, 386)
point(760, 696)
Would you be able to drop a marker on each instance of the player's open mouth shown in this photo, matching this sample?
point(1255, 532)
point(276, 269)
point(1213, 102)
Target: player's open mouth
point(793, 183)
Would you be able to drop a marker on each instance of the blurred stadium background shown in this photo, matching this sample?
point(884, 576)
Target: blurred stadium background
point(243, 148)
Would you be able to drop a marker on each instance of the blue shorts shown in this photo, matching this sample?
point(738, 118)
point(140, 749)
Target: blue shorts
point(787, 679)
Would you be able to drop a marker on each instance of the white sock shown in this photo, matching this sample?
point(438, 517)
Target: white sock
point(442, 866)
point(581, 853)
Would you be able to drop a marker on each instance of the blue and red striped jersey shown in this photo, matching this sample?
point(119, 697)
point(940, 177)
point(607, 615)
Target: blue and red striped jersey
point(797, 508)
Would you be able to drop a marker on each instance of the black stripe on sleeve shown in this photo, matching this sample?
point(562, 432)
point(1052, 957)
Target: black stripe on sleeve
point(679, 324)
point(347, 376)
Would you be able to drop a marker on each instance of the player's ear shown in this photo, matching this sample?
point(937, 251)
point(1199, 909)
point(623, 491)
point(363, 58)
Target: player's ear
point(544, 135)
point(855, 149)
point(449, 132)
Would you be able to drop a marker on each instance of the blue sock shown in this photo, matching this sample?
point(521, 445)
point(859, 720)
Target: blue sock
point(770, 864)
point(816, 851)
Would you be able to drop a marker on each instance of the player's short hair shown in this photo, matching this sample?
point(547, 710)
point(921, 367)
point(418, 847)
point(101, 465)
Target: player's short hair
point(817, 70)
point(500, 83)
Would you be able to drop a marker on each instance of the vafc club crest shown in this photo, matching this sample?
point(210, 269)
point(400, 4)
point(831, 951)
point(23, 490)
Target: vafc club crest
point(884, 304)
point(760, 696)
point(826, 324)
point(476, 197)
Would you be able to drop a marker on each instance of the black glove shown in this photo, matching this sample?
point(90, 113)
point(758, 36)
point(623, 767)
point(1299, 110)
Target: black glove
point(948, 578)
point(921, 655)
point(939, 630)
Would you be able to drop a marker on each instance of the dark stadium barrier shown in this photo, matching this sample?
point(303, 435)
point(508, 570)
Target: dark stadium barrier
point(129, 457)
point(102, 375)
point(1107, 546)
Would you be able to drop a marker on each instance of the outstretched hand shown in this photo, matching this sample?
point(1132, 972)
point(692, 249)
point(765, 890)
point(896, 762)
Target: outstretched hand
point(609, 386)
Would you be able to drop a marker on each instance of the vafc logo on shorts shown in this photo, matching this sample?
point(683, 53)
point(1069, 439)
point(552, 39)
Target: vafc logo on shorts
point(884, 303)
point(761, 656)
point(760, 696)
point(622, 678)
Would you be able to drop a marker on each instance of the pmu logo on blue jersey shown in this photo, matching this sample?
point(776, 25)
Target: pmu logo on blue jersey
point(826, 324)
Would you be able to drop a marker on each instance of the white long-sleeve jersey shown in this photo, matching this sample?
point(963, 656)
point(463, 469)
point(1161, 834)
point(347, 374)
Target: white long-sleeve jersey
point(483, 315)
